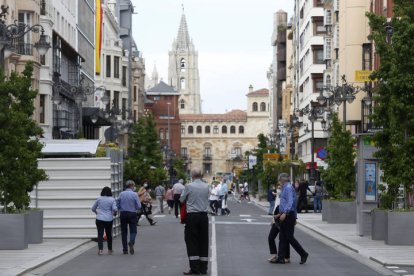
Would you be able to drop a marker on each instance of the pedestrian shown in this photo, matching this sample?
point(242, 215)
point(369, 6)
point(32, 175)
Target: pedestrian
point(128, 204)
point(220, 198)
point(303, 196)
point(104, 208)
point(160, 195)
point(196, 231)
point(145, 198)
point(317, 199)
point(271, 197)
point(224, 191)
point(178, 188)
point(287, 215)
point(213, 198)
point(169, 197)
point(246, 191)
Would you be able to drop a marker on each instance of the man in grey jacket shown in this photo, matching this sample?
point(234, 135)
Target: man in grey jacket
point(195, 195)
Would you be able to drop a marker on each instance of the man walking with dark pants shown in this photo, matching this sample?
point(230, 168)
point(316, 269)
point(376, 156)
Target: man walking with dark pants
point(287, 216)
point(178, 188)
point(195, 196)
point(128, 205)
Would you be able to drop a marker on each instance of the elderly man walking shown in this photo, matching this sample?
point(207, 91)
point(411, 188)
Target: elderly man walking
point(195, 195)
point(128, 204)
point(287, 216)
point(178, 188)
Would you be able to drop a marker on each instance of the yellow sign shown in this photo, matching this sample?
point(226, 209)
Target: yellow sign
point(362, 75)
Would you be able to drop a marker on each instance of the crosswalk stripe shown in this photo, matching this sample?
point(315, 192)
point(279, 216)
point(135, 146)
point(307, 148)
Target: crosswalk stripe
point(245, 215)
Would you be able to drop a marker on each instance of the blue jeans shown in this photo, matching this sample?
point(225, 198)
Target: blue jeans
point(317, 203)
point(128, 219)
point(271, 207)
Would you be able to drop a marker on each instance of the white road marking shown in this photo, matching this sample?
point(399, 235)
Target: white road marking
point(400, 271)
point(392, 267)
point(159, 216)
point(248, 220)
point(213, 246)
point(242, 223)
point(245, 215)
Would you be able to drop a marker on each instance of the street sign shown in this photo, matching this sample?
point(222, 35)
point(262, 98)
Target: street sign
point(362, 75)
point(252, 161)
point(245, 166)
point(321, 153)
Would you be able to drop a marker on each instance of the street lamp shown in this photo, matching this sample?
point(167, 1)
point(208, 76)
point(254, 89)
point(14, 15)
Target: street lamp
point(12, 32)
point(112, 114)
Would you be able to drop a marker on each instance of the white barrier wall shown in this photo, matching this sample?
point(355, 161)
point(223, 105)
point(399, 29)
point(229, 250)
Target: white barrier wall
point(69, 193)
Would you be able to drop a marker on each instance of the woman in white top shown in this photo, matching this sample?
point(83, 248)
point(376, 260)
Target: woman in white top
point(213, 198)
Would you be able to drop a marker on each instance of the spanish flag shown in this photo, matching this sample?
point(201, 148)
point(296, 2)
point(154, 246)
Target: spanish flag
point(98, 38)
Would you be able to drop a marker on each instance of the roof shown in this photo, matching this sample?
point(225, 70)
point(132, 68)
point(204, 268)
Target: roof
point(233, 115)
point(69, 147)
point(162, 88)
point(259, 93)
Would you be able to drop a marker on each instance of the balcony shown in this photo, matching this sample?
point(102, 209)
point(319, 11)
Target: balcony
point(207, 157)
point(24, 49)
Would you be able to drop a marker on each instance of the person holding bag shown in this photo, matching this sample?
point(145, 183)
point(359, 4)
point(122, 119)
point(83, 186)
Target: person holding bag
point(104, 208)
point(145, 199)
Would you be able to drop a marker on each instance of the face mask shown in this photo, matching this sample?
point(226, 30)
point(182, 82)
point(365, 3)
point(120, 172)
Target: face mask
point(145, 185)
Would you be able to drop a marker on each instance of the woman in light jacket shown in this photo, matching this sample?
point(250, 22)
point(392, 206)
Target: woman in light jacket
point(104, 208)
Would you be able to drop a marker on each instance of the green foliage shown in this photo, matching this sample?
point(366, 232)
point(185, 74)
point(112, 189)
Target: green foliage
point(179, 168)
point(19, 146)
point(394, 109)
point(340, 174)
point(144, 159)
point(274, 168)
point(101, 151)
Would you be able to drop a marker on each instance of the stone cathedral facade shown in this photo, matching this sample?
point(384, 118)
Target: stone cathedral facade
point(216, 143)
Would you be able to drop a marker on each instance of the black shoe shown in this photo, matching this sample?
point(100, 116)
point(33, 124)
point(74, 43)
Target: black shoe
point(304, 258)
point(190, 272)
point(125, 252)
point(278, 261)
point(153, 223)
point(131, 248)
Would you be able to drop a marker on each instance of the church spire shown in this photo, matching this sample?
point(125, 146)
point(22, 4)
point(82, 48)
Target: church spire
point(183, 38)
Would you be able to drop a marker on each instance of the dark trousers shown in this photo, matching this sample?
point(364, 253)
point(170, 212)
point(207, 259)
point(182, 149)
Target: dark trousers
point(128, 219)
point(213, 204)
point(144, 210)
point(177, 204)
point(287, 238)
point(274, 231)
point(101, 226)
point(196, 240)
point(302, 204)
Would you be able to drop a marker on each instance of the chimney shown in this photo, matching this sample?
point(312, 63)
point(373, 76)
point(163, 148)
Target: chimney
point(250, 88)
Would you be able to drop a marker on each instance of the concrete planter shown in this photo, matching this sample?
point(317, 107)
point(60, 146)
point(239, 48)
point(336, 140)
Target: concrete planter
point(378, 224)
point(400, 228)
point(339, 211)
point(13, 231)
point(34, 226)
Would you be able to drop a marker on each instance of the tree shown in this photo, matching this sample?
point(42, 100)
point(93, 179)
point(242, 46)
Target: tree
point(274, 168)
point(144, 154)
point(340, 173)
point(394, 100)
point(19, 144)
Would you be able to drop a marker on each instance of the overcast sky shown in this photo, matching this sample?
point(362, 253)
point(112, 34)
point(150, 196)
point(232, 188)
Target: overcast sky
point(232, 38)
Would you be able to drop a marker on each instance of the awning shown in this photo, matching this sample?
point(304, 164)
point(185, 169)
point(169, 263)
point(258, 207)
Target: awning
point(69, 147)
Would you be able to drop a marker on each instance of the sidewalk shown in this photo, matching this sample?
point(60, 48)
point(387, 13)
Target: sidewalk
point(17, 262)
point(346, 235)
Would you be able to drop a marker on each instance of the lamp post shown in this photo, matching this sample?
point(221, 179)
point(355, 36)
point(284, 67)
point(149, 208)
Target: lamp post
point(17, 30)
point(168, 126)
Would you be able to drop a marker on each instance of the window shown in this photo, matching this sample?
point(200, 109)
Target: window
point(108, 66)
point(167, 134)
point(116, 99)
point(184, 152)
point(232, 129)
point(317, 82)
point(207, 129)
point(328, 81)
point(255, 107)
point(237, 151)
point(161, 134)
point(262, 106)
point(116, 67)
point(215, 130)
point(182, 104)
point(241, 129)
point(366, 56)
point(223, 129)
point(42, 109)
point(182, 65)
point(317, 52)
point(182, 83)
point(23, 44)
point(135, 93)
point(108, 94)
point(328, 48)
point(124, 108)
point(124, 76)
point(207, 152)
point(190, 130)
point(317, 3)
point(318, 27)
point(199, 130)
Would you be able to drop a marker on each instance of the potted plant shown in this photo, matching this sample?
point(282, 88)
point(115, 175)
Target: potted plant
point(339, 176)
point(19, 151)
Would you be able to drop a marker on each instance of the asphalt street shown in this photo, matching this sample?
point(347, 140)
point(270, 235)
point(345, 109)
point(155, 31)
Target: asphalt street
point(238, 247)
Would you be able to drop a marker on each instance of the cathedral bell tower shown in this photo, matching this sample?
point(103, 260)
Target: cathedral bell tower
point(183, 71)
